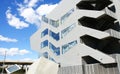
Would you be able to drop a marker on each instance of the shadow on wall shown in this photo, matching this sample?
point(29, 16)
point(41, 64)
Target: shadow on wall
point(108, 45)
point(102, 23)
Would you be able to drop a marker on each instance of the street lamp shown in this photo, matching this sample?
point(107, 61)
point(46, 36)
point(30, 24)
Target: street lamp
point(4, 62)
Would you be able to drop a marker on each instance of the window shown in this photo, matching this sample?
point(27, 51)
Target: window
point(45, 32)
point(45, 19)
point(50, 58)
point(67, 30)
point(68, 46)
point(45, 54)
point(51, 22)
point(54, 35)
point(44, 44)
point(54, 23)
point(64, 17)
point(54, 49)
point(12, 68)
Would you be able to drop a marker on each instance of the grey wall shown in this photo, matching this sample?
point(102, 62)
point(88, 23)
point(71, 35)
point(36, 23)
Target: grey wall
point(95, 68)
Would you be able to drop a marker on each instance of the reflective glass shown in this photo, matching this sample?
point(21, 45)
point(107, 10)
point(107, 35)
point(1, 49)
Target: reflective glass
point(54, 49)
point(54, 35)
point(51, 22)
point(51, 59)
point(44, 44)
point(54, 23)
point(45, 54)
point(45, 19)
point(13, 68)
point(63, 18)
point(68, 46)
point(45, 32)
point(67, 30)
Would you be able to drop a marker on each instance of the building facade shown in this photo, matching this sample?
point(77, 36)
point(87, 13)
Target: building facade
point(79, 32)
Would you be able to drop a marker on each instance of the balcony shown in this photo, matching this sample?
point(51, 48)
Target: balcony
point(101, 23)
point(108, 45)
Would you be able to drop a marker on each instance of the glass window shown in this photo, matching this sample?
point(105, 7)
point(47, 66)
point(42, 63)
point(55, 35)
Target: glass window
point(54, 49)
point(45, 54)
point(51, 22)
point(45, 19)
point(54, 23)
point(51, 59)
point(64, 17)
point(54, 35)
point(68, 46)
point(44, 44)
point(45, 32)
point(67, 30)
point(12, 68)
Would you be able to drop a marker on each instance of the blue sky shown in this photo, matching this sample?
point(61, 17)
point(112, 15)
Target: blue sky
point(19, 19)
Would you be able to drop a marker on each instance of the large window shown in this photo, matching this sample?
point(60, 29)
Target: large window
point(52, 59)
point(45, 32)
point(55, 50)
point(68, 46)
point(54, 23)
point(54, 35)
point(44, 44)
point(50, 21)
point(45, 19)
point(12, 68)
point(64, 17)
point(67, 30)
point(45, 54)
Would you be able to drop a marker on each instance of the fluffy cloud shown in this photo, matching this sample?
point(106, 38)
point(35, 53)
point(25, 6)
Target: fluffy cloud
point(24, 51)
point(27, 11)
point(27, 59)
point(30, 16)
point(6, 39)
point(13, 51)
point(14, 21)
point(32, 3)
point(45, 9)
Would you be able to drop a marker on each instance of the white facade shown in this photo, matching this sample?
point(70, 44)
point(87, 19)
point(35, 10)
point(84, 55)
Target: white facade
point(65, 36)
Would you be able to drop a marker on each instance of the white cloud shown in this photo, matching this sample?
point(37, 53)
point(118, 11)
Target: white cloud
point(30, 16)
point(34, 16)
point(27, 59)
point(6, 39)
point(14, 21)
point(32, 3)
point(26, 1)
point(45, 9)
point(3, 51)
point(13, 51)
point(24, 51)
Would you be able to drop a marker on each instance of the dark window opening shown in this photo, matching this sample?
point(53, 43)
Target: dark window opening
point(112, 8)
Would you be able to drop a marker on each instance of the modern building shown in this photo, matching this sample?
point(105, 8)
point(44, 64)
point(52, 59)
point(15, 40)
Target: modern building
point(81, 32)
